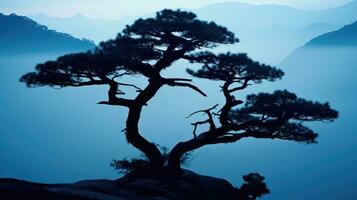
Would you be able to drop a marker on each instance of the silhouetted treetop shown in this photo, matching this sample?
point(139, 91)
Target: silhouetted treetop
point(180, 29)
point(280, 115)
point(70, 70)
point(111, 59)
point(283, 105)
point(232, 67)
point(146, 47)
point(253, 187)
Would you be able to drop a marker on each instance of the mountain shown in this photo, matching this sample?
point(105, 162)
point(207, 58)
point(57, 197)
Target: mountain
point(83, 27)
point(260, 28)
point(324, 56)
point(328, 65)
point(22, 35)
point(329, 60)
point(241, 16)
point(325, 69)
point(317, 29)
point(344, 14)
point(347, 36)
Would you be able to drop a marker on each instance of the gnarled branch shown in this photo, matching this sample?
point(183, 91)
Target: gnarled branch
point(138, 89)
point(173, 83)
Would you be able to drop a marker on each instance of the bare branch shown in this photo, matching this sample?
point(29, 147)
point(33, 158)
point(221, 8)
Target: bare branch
point(138, 89)
point(242, 87)
point(203, 111)
point(210, 120)
point(231, 138)
point(173, 83)
point(200, 122)
point(196, 124)
point(180, 79)
point(117, 102)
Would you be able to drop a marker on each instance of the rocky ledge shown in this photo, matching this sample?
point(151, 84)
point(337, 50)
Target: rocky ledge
point(137, 186)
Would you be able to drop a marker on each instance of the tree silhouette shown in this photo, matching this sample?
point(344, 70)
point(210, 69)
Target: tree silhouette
point(149, 46)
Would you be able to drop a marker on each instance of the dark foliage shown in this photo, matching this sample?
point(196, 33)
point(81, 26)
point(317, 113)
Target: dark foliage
point(182, 28)
point(127, 166)
point(234, 67)
point(280, 115)
point(253, 187)
point(163, 39)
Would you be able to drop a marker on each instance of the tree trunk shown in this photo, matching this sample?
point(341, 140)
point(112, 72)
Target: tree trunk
point(174, 159)
point(132, 126)
point(205, 138)
point(132, 134)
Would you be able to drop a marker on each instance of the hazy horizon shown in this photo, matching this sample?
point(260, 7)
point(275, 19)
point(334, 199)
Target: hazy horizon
point(115, 9)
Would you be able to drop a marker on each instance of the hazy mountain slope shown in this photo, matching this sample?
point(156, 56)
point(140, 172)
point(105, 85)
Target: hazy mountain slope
point(327, 65)
point(265, 28)
point(84, 27)
point(345, 14)
point(347, 36)
point(270, 32)
point(22, 35)
point(332, 55)
point(239, 16)
point(327, 73)
point(317, 29)
point(328, 61)
point(245, 16)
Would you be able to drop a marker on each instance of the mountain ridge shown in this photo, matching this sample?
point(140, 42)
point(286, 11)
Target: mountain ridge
point(248, 22)
point(346, 36)
point(20, 34)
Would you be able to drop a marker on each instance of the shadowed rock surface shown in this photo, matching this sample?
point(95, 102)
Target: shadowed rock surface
point(135, 186)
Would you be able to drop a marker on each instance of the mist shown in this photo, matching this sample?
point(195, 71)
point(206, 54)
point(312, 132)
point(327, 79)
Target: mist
point(51, 135)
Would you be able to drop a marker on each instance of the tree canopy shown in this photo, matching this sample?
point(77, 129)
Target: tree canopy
point(145, 47)
point(151, 45)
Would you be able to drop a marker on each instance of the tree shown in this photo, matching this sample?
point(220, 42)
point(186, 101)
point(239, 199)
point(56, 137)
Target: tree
point(149, 46)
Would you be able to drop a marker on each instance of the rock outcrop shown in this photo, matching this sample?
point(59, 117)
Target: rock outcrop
point(135, 186)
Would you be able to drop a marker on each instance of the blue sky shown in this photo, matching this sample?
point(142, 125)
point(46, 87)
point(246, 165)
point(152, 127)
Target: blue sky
point(120, 8)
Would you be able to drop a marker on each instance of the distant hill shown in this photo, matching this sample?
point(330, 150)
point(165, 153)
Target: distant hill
point(22, 35)
point(259, 16)
point(345, 14)
point(316, 29)
point(346, 36)
point(259, 27)
point(328, 63)
point(262, 28)
point(241, 16)
point(84, 27)
point(328, 73)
